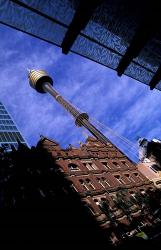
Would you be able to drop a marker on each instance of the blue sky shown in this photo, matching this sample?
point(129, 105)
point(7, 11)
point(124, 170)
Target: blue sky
point(126, 106)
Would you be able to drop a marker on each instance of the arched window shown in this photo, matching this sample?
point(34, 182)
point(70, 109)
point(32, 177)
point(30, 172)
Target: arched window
point(105, 164)
point(103, 199)
point(90, 184)
point(113, 196)
point(90, 165)
point(142, 191)
point(118, 177)
point(73, 166)
point(83, 183)
point(115, 163)
point(128, 176)
point(125, 163)
point(133, 194)
point(87, 184)
point(157, 183)
point(138, 176)
point(103, 182)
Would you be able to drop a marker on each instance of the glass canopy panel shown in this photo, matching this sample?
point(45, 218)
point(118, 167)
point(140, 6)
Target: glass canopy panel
point(61, 10)
point(105, 39)
point(95, 52)
point(30, 22)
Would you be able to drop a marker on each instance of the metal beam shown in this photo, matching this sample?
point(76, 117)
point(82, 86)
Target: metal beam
point(144, 33)
point(156, 78)
point(79, 22)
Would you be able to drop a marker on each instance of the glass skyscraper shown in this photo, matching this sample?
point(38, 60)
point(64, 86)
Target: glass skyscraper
point(9, 134)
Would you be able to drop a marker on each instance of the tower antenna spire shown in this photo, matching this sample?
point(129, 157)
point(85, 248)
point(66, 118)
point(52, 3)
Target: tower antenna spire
point(43, 83)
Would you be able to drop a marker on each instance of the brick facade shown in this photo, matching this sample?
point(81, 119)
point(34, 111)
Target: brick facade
point(97, 172)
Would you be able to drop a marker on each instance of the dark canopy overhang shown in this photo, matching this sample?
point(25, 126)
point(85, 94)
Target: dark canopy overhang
point(120, 34)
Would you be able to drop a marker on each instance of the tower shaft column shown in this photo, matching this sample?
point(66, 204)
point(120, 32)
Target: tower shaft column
point(82, 122)
point(48, 88)
point(94, 131)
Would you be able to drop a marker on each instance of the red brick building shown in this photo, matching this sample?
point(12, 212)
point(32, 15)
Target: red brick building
point(98, 173)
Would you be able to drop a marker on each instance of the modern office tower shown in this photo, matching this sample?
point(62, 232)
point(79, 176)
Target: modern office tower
point(9, 134)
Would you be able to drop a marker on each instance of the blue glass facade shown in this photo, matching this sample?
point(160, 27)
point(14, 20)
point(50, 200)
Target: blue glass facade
point(9, 133)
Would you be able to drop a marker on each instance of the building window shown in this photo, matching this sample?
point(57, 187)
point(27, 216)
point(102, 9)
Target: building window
point(128, 176)
point(87, 184)
point(84, 184)
point(90, 165)
point(19, 136)
point(90, 184)
point(155, 168)
point(115, 163)
point(139, 176)
point(96, 201)
point(81, 181)
point(125, 163)
point(133, 194)
point(142, 191)
point(158, 183)
point(74, 188)
point(132, 178)
point(103, 182)
point(100, 200)
point(95, 154)
point(7, 136)
point(113, 196)
point(73, 166)
point(100, 182)
point(105, 164)
point(88, 205)
point(3, 137)
point(118, 177)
